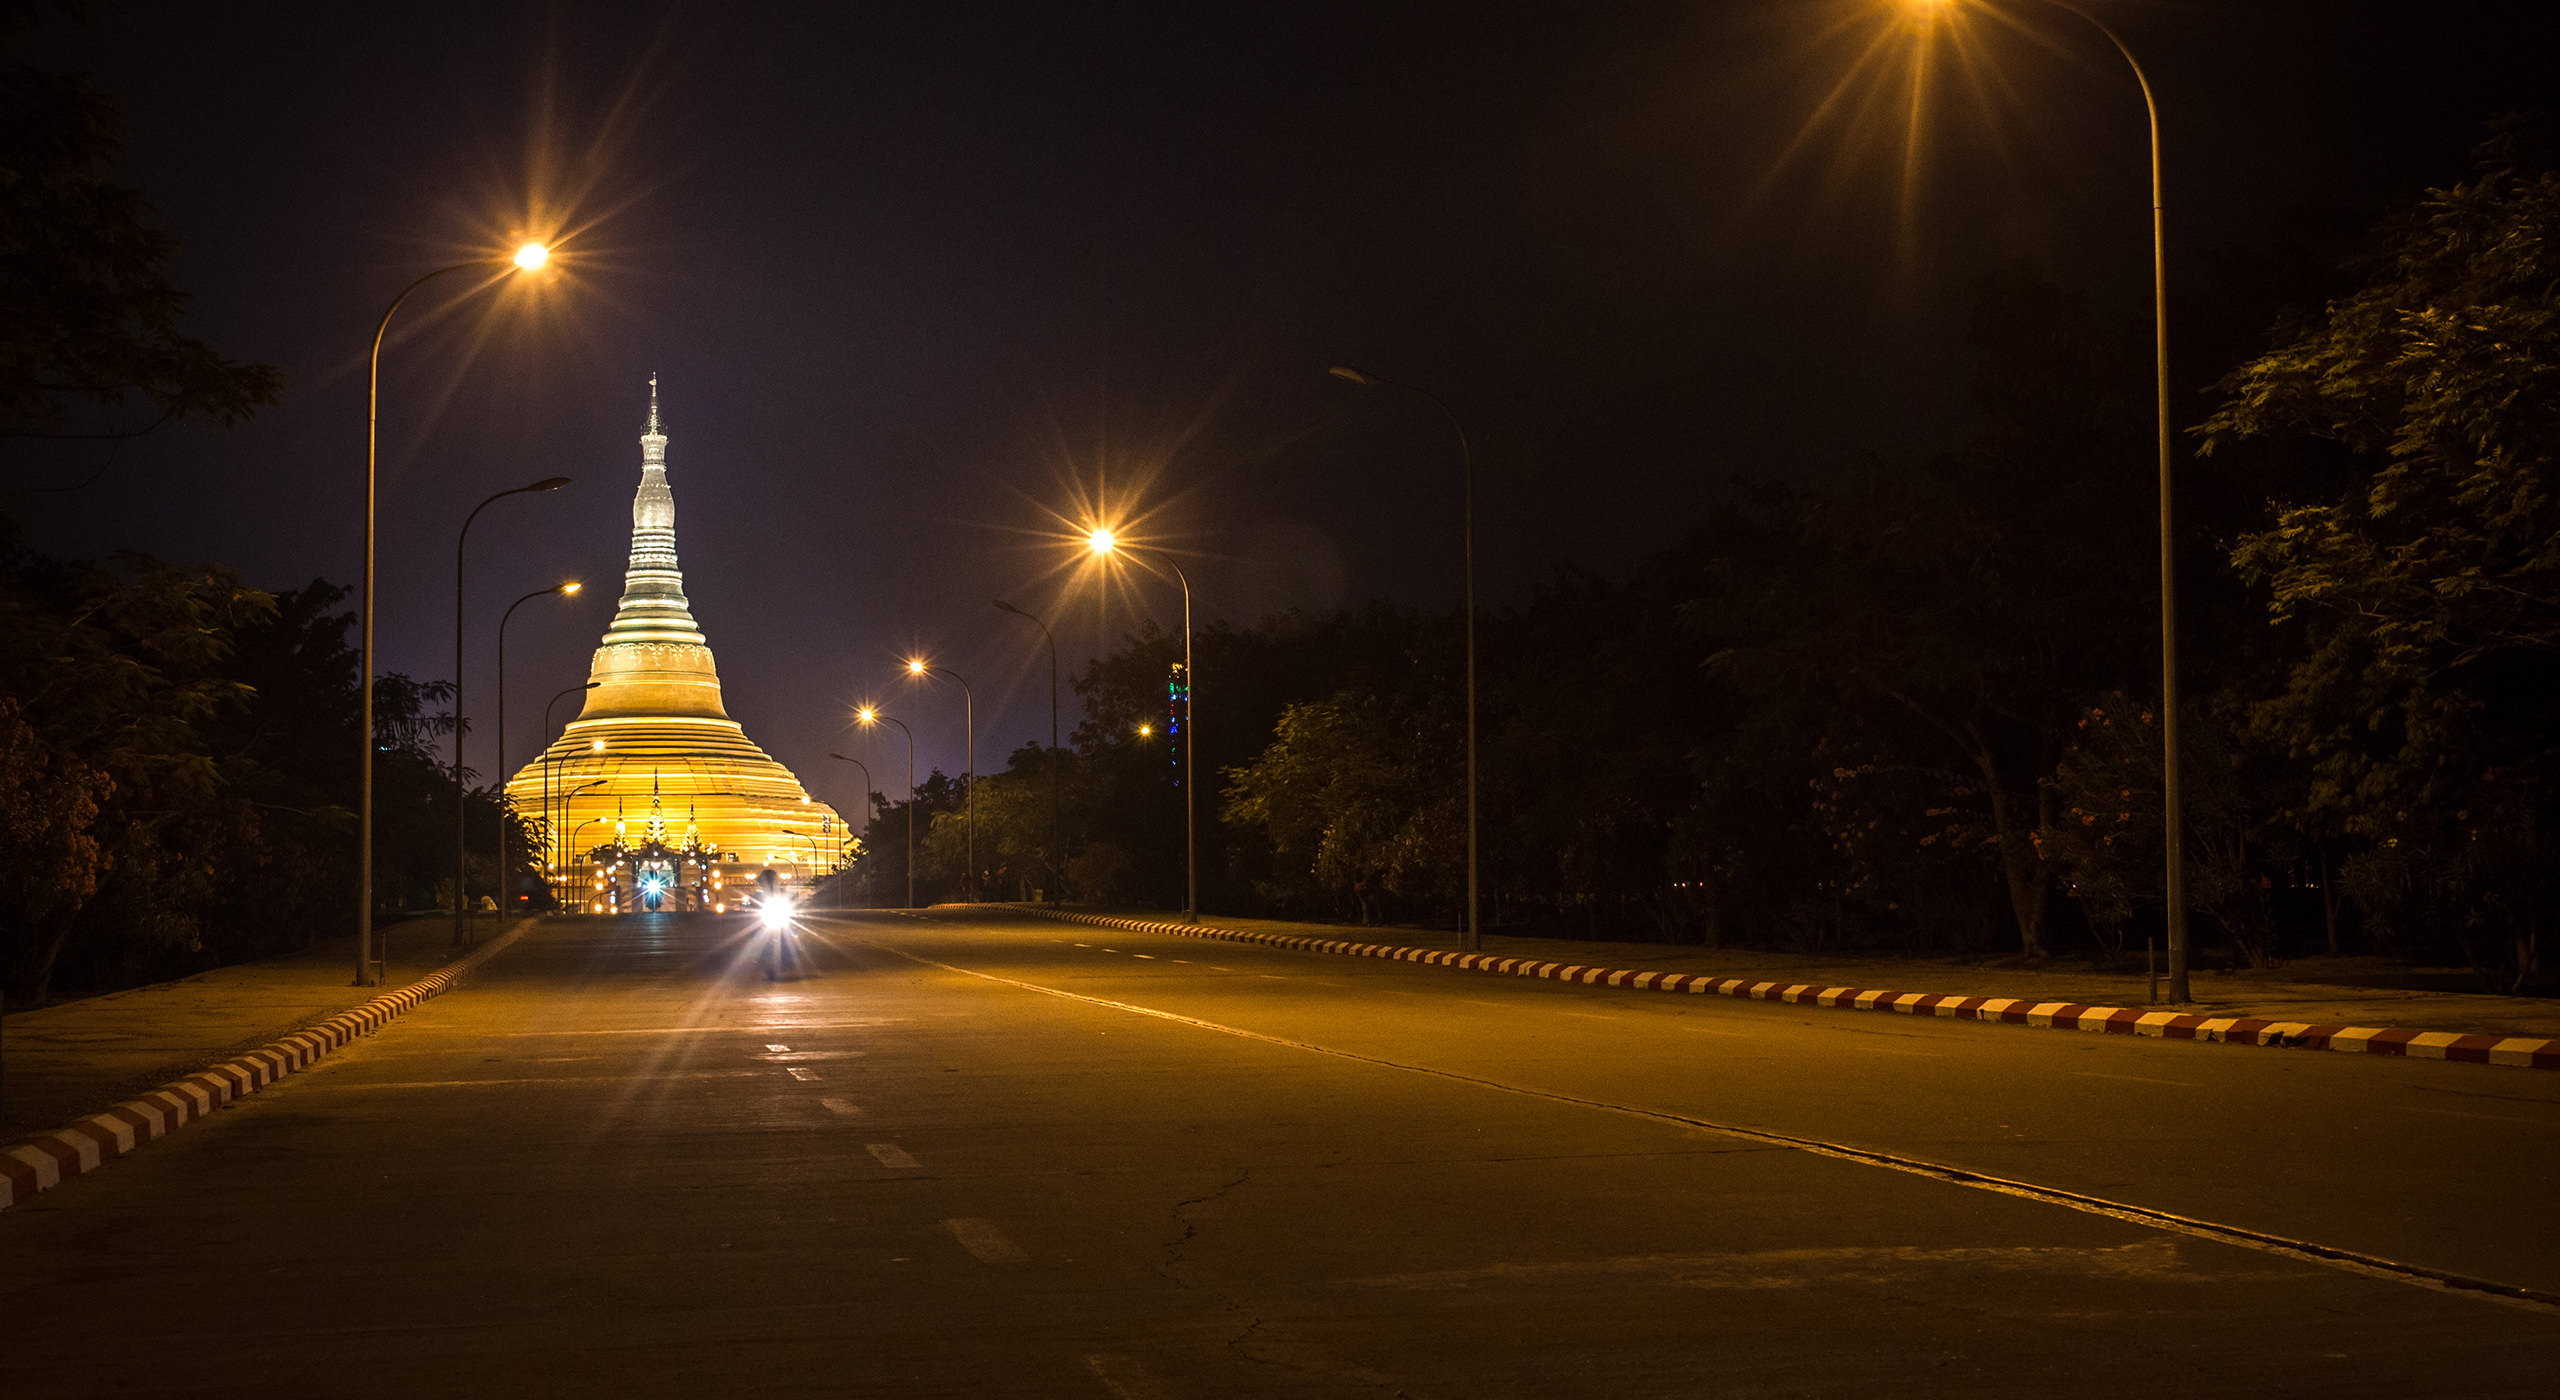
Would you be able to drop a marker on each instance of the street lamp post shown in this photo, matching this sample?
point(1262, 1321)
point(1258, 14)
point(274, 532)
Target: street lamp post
point(2174, 827)
point(461, 815)
point(529, 258)
point(563, 590)
point(869, 715)
point(551, 765)
point(867, 787)
point(969, 781)
point(1055, 872)
point(1103, 543)
point(1471, 938)
point(573, 838)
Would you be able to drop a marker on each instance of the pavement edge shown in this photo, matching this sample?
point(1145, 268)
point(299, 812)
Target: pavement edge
point(2521, 1051)
point(48, 1159)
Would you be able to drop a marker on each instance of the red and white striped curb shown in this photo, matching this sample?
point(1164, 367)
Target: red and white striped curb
point(44, 1162)
point(2525, 1051)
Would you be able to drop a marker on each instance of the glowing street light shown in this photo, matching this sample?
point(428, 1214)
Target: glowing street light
point(2174, 832)
point(461, 901)
point(557, 590)
point(869, 715)
point(922, 669)
point(1103, 543)
point(532, 257)
point(365, 960)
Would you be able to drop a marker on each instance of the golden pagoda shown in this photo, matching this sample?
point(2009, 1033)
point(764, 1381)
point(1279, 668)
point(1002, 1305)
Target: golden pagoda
point(656, 799)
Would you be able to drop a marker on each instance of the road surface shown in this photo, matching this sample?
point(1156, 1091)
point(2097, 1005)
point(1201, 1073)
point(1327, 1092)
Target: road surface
point(996, 1157)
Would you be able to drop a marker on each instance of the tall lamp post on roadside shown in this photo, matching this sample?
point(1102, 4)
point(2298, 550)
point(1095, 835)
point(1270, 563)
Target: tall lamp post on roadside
point(561, 590)
point(867, 787)
point(1471, 937)
point(918, 666)
point(1052, 756)
point(2174, 827)
point(461, 815)
point(551, 765)
point(531, 257)
point(1102, 543)
point(871, 715)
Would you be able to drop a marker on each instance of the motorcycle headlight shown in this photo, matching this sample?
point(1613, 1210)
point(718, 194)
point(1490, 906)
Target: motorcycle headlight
point(775, 912)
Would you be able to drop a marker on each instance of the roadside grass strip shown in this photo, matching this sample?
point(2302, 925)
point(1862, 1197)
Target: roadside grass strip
point(2525, 1052)
point(47, 1160)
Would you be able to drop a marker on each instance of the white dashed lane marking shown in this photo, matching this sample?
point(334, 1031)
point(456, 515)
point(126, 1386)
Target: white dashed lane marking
point(805, 1076)
point(983, 1239)
point(889, 1154)
point(842, 1108)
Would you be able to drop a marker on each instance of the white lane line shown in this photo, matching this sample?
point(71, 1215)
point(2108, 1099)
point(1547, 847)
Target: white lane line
point(842, 1108)
point(2131, 1078)
point(2301, 1251)
point(793, 1057)
point(983, 1239)
point(547, 1079)
point(2459, 1113)
point(1126, 1378)
point(889, 1154)
point(777, 1047)
point(1148, 956)
point(1184, 961)
point(805, 1076)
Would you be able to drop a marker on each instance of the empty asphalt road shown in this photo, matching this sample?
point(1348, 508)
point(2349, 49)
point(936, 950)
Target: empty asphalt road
point(997, 1156)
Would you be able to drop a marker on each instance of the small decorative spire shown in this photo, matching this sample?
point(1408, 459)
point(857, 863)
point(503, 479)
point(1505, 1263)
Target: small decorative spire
point(653, 403)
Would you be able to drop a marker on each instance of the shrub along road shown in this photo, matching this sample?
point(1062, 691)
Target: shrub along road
point(997, 1156)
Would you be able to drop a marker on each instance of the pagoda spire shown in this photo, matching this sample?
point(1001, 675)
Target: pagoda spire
point(654, 658)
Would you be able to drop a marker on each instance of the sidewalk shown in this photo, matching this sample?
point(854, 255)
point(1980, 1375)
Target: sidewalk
point(78, 1057)
point(2281, 995)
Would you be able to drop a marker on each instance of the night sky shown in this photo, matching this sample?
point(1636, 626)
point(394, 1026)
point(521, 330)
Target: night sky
point(918, 279)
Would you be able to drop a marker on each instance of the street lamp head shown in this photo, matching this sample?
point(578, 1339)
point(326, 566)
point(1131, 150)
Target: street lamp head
point(1355, 376)
point(548, 483)
point(532, 257)
point(866, 715)
point(1004, 607)
point(1100, 540)
point(916, 666)
point(570, 589)
point(1146, 730)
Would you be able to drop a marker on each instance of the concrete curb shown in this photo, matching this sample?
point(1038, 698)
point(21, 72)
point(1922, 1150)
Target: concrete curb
point(2522, 1051)
point(49, 1159)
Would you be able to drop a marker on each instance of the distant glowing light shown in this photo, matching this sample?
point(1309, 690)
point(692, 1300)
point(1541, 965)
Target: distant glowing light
point(1146, 731)
point(1100, 540)
point(569, 588)
point(867, 714)
point(532, 256)
point(598, 746)
point(916, 668)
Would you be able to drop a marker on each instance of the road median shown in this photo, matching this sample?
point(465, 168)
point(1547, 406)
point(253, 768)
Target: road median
point(47, 1159)
point(2521, 1051)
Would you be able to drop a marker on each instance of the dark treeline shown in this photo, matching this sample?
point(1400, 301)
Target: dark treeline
point(1916, 707)
point(177, 749)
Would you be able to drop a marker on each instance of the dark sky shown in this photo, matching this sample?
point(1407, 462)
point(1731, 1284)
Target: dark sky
point(915, 279)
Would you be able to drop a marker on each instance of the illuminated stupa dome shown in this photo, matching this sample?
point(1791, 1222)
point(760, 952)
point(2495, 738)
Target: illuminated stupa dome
point(654, 755)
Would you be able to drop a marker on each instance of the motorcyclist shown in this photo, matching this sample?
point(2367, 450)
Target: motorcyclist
point(781, 949)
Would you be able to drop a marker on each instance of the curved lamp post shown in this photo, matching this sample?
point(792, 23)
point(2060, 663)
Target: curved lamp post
point(917, 666)
point(1055, 872)
point(531, 257)
point(1471, 937)
point(867, 788)
point(551, 765)
point(871, 715)
point(1102, 543)
point(461, 899)
point(560, 590)
point(2174, 829)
